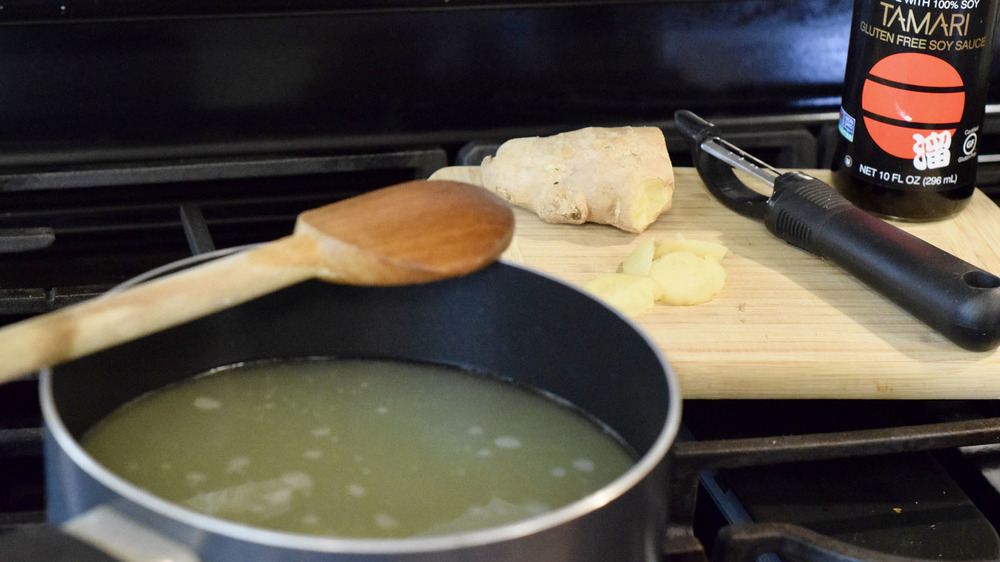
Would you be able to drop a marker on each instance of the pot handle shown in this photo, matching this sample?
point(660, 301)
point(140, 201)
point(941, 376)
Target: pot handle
point(101, 534)
point(46, 543)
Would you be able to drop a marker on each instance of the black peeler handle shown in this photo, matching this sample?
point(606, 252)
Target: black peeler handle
point(952, 296)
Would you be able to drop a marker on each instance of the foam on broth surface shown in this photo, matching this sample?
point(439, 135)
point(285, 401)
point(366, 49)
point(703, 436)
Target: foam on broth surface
point(357, 448)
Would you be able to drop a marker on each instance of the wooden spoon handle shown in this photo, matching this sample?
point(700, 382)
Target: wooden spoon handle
point(104, 321)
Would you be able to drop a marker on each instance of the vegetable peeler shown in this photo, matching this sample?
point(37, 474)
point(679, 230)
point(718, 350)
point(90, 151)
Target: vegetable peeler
point(956, 298)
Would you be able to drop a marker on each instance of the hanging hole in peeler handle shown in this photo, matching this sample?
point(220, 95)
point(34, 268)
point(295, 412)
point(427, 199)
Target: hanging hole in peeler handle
point(981, 280)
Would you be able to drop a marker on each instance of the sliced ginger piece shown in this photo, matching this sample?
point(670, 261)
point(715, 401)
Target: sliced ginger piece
point(699, 248)
point(687, 279)
point(640, 259)
point(632, 295)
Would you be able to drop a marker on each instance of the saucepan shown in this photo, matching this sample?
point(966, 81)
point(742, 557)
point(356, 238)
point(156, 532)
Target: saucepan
point(505, 320)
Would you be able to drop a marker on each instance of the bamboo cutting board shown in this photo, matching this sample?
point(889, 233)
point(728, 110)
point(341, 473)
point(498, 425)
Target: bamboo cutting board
point(787, 324)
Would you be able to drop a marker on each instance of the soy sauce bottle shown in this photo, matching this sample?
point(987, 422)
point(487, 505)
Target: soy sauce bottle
point(914, 97)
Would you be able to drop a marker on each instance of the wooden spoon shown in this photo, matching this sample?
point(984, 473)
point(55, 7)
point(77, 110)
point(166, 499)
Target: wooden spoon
point(414, 232)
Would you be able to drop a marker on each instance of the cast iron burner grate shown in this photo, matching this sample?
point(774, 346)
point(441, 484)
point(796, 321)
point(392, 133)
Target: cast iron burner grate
point(70, 235)
point(843, 475)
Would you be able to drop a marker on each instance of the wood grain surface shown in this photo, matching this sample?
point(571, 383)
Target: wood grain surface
point(787, 324)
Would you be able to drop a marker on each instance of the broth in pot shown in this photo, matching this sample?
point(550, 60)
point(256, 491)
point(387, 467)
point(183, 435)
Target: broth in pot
point(358, 448)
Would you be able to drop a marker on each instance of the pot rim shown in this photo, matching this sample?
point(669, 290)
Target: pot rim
point(631, 478)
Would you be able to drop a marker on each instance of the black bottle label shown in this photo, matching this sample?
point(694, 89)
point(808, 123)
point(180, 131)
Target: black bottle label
point(915, 92)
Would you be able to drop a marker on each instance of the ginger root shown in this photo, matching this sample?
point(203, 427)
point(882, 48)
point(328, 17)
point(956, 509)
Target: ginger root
point(619, 176)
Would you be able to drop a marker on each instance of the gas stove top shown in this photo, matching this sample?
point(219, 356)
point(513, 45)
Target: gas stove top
point(916, 479)
point(133, 134)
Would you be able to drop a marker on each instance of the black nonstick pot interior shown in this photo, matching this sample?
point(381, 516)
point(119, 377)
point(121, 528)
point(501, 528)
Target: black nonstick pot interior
point(502, 321)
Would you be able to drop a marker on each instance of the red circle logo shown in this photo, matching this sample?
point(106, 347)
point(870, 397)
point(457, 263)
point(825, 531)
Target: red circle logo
point(910, 93)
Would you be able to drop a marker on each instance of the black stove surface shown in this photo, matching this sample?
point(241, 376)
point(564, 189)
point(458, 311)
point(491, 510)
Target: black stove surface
point(920, 504)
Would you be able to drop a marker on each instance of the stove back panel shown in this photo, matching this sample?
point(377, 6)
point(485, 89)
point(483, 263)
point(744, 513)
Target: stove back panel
point(83, 89)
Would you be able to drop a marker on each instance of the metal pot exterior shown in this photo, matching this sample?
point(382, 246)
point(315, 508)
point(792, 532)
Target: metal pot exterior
point(504, 320)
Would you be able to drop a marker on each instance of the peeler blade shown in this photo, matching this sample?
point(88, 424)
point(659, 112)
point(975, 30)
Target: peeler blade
point(704, 133)
point(715, 159)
